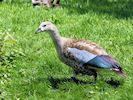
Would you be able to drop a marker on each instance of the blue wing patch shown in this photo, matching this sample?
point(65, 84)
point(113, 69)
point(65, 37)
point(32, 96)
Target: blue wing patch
point(81, 56)
point(103, 61)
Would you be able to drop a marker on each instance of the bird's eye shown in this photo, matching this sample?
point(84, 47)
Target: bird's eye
point(44, 25)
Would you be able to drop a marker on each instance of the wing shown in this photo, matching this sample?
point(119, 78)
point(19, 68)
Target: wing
point(89, 54)
point(80, 56)
point(85, 58)
point(103, 61)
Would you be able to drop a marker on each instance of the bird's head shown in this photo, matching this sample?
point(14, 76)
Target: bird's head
point(45, 26)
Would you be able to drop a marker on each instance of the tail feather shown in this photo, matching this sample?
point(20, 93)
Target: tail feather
point(105, 62)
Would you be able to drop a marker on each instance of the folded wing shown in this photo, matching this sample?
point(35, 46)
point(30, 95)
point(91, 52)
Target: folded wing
point(86, 58)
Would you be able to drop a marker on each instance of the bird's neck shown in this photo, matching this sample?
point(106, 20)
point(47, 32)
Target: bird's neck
point(57, 39)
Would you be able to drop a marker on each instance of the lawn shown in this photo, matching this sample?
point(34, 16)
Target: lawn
point(32, 70)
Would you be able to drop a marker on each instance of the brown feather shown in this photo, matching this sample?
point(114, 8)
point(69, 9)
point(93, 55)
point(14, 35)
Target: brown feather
point(84, 45)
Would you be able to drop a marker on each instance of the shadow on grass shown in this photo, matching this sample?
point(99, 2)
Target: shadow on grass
point(117, 8)
point(114, 83)
point(56, 81)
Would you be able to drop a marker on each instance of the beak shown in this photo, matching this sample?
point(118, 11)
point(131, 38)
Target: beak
point(38, 30)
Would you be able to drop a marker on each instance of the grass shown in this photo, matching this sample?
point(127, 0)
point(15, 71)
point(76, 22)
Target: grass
point(39, 75)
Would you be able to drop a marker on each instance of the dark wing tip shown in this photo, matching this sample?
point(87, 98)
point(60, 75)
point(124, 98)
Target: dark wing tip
point(119, 71)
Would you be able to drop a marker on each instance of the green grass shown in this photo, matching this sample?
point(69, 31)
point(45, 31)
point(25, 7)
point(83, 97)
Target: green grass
point(37, 71)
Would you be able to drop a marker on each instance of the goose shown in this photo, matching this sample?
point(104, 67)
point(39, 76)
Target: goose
point(41, 2)
point(48, 3)
point(83, 56)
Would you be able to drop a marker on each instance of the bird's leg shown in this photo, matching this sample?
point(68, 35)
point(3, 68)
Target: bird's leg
point(92, 72)
point(75, 73)
point(95, 76)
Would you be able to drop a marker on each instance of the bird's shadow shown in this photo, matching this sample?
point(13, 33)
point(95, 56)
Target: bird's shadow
point(55, 82)
point(114, 83)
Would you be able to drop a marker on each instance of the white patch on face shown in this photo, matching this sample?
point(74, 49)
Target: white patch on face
point(42, 26)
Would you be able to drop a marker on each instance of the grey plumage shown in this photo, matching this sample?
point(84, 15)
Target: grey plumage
point(81, 56)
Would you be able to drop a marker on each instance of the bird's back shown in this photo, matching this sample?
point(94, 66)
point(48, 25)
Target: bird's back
point(84, 45)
